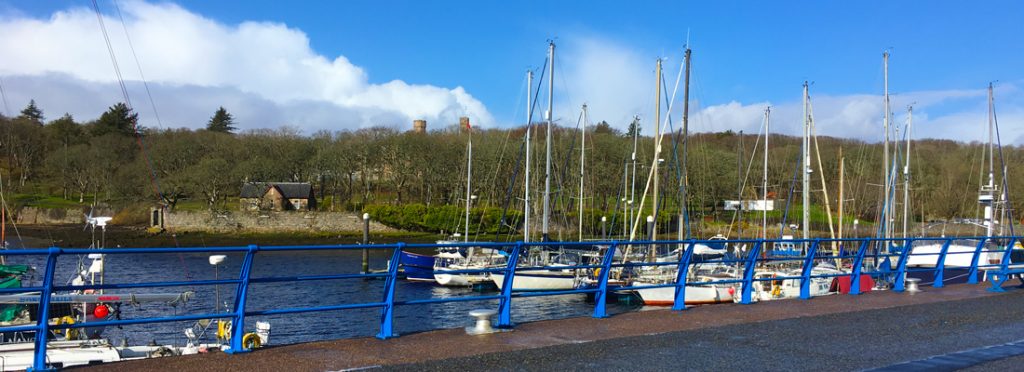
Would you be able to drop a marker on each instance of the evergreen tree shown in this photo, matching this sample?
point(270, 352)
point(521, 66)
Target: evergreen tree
point(117, 119)
point(32, 112)
point(634, 129)
point(222, 121)
point(65, 130)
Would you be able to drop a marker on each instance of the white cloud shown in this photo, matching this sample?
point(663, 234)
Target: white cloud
point(617, 82)
point(860, 116)
point(264, 72)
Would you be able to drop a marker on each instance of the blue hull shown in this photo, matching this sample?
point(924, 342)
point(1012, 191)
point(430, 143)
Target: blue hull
point(951, 275)
point(417, 267)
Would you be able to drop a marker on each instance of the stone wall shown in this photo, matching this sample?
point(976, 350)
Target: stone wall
point(268, 221)
point(56, 216)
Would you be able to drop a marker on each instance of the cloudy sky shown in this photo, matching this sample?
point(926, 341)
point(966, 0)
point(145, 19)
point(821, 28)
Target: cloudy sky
point(352, 64)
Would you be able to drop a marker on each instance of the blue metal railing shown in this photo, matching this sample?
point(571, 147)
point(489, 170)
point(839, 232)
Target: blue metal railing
point(865, 260)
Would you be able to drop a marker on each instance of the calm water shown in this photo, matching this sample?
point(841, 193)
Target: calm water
point(297, 327)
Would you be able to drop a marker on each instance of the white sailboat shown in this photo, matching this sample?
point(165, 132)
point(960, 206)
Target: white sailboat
point(465, 258)
point(960, 252)
point(542, 279)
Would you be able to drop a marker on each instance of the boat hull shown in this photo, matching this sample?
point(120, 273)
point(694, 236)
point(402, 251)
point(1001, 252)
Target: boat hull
point(417, 267)
point(695, 295)
point(458, 280)
point(537, 281)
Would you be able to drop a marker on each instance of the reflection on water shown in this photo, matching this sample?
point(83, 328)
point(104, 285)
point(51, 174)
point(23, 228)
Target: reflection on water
point(296, 327)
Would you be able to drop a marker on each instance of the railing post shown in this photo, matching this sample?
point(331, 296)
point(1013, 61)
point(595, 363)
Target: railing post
point(1004, 267)
point(241, 295)
point(940, 264)
point(901, 267)
point(505, 304)
point(601, 296)
point(748, 273)
point(858, 267)
point(972, 274)
point(387, 313)
point(805, 280)
point(42, 323)
point(681, 274)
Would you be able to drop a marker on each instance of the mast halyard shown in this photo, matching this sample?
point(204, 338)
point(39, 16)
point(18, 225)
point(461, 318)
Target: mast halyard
point(547, 167)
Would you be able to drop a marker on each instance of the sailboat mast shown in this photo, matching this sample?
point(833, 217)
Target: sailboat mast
point(906, 171)
point(583, 158)
point(632, 182)
point(529, 128)
point(842, 165)
point(806, 170)
point(686, 117)
point(885, 151)
point(657, 147)
point(469, 179)
point(988, 192)
point(764, 175)
point(547, 140)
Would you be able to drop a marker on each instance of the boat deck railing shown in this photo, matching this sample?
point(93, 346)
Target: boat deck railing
point(857, 258)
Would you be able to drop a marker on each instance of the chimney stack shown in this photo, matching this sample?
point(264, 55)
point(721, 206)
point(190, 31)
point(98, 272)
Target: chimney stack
point(419, 126)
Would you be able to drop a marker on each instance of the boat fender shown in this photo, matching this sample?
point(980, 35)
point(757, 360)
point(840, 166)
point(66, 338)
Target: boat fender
point(70, 333)
point(223, 330)
point(251, 341)
point(162, 351)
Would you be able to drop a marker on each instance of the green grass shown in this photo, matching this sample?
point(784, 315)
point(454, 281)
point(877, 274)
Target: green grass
point(46, 201)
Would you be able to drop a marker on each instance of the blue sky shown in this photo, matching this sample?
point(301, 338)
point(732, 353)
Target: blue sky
point(748, 54)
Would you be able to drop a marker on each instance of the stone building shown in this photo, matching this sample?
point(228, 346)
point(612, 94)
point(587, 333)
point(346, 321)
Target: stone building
point(277, 196)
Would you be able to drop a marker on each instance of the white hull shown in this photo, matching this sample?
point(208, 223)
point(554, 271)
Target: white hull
point(695, 295)
point(540, 280)
point(767, 290)
point(459, 280)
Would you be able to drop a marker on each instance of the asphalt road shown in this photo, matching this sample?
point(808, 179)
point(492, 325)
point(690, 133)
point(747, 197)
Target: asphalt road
point(845, 341)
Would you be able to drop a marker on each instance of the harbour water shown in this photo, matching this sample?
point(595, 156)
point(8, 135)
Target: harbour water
point(296, 327)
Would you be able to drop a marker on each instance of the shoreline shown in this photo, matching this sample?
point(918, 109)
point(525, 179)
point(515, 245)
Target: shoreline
point(73, 236)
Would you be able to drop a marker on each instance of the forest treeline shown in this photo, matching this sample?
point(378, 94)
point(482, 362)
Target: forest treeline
point(111, 161)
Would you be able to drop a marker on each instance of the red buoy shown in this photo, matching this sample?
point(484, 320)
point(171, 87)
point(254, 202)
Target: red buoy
point(101, 311)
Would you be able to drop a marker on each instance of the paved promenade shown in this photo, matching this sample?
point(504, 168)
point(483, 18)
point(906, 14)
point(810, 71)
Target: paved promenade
point(838, 332)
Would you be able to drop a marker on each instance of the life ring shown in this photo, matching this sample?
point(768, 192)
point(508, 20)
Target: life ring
point(69, 333)
point(251, 341)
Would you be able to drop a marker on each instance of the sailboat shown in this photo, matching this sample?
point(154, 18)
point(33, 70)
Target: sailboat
point(696, 294)
point(72, 347)
point(960, 252)
point(551, 278)
point(823, 274)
